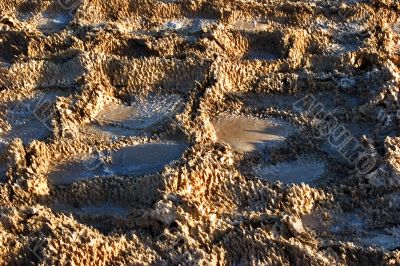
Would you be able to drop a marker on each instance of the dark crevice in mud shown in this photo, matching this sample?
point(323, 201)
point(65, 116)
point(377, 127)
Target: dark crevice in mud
point(13, 44)
point(266, 46)
point(199, 94)
point(367, 62)
point(137, 48)
point(28, 7)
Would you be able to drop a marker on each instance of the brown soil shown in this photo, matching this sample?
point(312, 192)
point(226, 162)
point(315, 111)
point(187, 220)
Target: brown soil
point(201, 132)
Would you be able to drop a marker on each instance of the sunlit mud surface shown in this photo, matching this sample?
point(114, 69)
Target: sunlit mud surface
point(200, 132)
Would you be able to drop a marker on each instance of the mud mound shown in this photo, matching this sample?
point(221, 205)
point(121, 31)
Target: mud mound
point(199, 132)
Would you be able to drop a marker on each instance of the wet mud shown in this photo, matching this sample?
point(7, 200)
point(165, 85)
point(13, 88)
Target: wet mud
point(199, 132)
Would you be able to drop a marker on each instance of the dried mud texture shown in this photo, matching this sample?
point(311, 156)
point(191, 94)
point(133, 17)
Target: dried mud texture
point(191, 132)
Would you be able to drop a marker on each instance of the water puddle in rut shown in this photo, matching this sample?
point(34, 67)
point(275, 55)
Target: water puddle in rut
point(303, 170)
point(246, 134)
point(135, 160)
point(121, 120)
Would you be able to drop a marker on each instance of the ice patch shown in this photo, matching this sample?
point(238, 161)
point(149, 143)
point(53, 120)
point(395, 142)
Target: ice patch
point(132, 161)
point(303, 170)
point(246, 134)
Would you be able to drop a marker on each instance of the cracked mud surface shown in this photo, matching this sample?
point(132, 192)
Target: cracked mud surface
point(200, 132)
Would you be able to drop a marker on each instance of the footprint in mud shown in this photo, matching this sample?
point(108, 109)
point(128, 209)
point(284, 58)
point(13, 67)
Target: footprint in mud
point(303, 170)
point(246, 134)
point(119, 120)
point(136, 160)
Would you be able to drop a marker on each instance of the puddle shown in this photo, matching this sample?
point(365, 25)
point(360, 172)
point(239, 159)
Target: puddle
point(301, 103)
point(351, 227)
point(303, 170)
point(189, 25)
point(343, 143)
point(110, 131)
point(136, 160)
point(337, 49)
point(120, 120)
point(105, 217)
point(346, 224)
point(29, 120)
point(314, 221)
point(250, 25)
point(106, 209)
point(51, 23)
point(339, 223)
point(246, 134)
point(260, 55)
point(395, 27)
point(27, 128)
point(384, 240)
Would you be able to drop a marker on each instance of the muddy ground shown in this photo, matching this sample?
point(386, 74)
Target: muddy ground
point(199, 132)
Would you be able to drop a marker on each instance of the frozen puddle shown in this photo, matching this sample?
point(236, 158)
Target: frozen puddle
point(30, 119)
point(261, 55)
point(346, 224)
point(246, 134)
point(51, 23)
point(27, 129)
point(189, 25)
point(135, 160)
point(121, 120)
point(250, 25)
point(106, 209)
point(351, 227)
point(26, 126)
point(388, 239)
point(303, 170)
